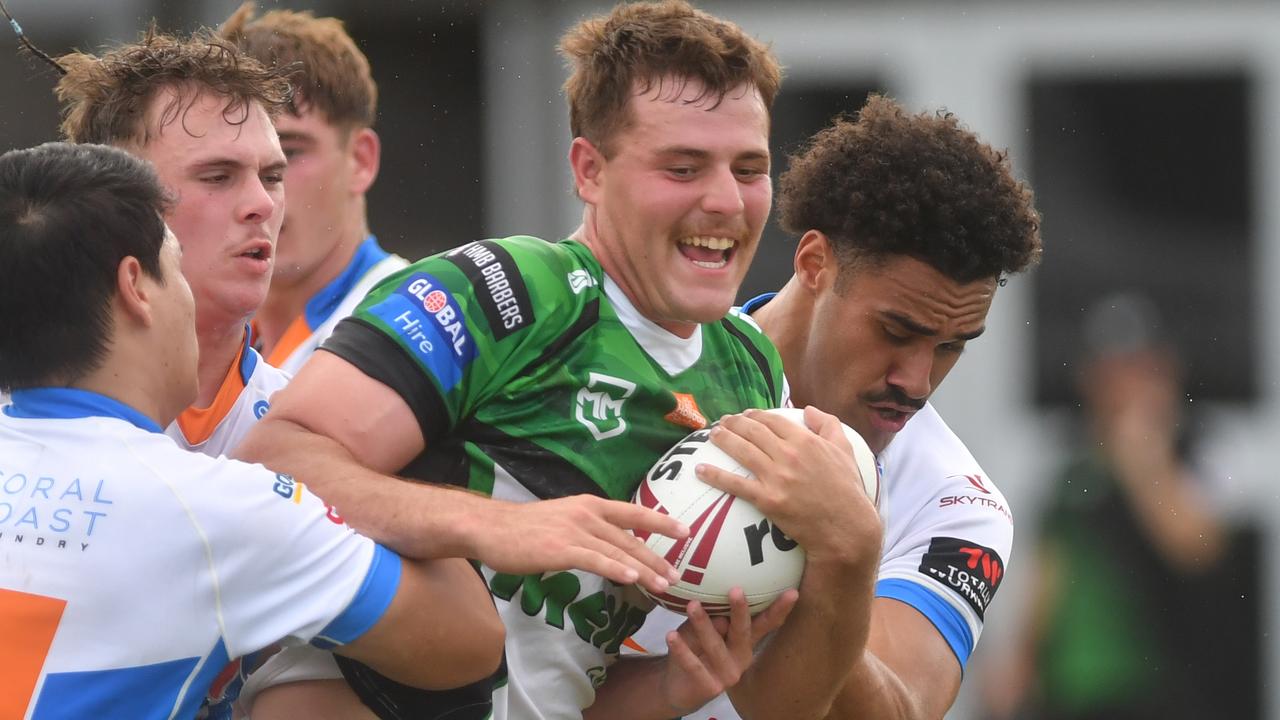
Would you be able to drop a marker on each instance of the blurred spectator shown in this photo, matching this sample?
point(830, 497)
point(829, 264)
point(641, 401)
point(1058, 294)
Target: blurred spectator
point(1127, 546)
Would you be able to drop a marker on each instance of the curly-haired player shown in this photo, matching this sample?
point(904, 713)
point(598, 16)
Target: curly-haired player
point(908, 223)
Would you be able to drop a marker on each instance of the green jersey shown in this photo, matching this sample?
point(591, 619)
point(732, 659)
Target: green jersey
point(533, 377)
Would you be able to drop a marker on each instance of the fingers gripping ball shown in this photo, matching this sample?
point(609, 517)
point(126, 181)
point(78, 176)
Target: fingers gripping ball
point(730, 543)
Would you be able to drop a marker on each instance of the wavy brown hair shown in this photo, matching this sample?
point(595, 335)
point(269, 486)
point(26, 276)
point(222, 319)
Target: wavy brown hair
point(329, 73)
point(646, 43)
point(892, 183)
point(105, 99)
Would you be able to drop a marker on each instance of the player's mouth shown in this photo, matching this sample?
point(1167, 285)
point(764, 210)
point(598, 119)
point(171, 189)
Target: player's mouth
point(891, 418)
point(707, 251)
point(258, 252)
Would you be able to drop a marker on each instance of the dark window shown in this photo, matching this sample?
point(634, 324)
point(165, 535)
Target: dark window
point(429, 192)
point(1144, 184)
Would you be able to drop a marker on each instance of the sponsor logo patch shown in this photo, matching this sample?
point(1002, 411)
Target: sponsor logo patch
point(498, 285)
point(430, 324)
point(975, 481)
point(686, 413)
point(289, 489)
point(973, 571)
point(948, 501)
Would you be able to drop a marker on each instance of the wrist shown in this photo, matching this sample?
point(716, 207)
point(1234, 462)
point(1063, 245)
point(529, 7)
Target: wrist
point(456, 519)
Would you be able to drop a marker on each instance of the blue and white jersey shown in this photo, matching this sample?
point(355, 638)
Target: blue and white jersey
point(132, 571)
point(948, 533)
point(242, 399)
point(369, 265)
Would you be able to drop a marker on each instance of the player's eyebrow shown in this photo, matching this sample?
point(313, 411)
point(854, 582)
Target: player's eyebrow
point(233, 164)
point(295, 136)
point(908, 324)
point(700, 154)
point(915, 327)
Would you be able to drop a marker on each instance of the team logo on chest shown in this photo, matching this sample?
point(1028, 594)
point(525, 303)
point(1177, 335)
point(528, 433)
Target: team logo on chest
point(598, 406)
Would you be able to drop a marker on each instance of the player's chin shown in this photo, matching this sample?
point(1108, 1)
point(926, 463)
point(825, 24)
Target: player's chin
point(703, 307)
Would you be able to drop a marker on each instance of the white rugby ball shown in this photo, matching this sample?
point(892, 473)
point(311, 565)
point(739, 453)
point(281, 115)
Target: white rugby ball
point(730, 543)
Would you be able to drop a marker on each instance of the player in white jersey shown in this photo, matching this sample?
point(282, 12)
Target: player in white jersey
point(367, 267)
point(327, 260)
point(908, 223)
point(133, 570)
point(202, 116)
point(935, 502)
point(243, 397)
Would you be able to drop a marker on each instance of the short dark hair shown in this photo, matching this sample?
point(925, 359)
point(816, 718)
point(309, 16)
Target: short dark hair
point(69, 214)
point(646, 42)
point(891, 183)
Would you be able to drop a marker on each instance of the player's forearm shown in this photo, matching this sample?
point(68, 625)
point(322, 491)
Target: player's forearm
point(803, 667)
point(416, 520)
point(873, 691)
point(633, 691)
point(1189, 537)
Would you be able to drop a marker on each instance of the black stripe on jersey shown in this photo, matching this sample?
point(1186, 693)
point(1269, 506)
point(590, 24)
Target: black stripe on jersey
point(589, 316)
point(444, 461)
point(388, 362)
point(498, 286)
point(539, 470)
point(755, 355)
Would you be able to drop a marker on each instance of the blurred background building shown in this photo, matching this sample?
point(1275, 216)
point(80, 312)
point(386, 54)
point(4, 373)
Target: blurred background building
point(1148, 129)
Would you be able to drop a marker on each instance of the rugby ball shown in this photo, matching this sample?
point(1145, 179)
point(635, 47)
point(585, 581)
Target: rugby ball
point(730, 543)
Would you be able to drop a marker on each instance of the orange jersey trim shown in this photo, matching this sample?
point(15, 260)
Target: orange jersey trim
point(197, 424)
point(297, 333)
point(27, 624)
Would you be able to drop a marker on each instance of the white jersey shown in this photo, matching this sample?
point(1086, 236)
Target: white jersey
point(245, 396)
point(335, 301)
point(947, 535)
point(133, 571)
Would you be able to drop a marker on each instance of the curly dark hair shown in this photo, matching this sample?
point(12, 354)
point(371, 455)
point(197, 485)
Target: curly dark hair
point(104, 100)
point(892, 183)
point(645, 43)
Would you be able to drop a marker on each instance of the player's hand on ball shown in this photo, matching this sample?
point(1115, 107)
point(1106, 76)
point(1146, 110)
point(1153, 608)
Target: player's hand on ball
point(806, 481)
point(582, 532)
point(707, 655)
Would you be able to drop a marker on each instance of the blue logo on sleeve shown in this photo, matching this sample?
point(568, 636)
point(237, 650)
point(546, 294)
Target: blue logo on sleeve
point(431, 325)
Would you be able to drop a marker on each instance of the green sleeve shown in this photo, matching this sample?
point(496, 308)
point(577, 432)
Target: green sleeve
point(449, 331)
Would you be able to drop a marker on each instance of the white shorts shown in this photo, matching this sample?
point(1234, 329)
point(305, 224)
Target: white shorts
point(292, 664)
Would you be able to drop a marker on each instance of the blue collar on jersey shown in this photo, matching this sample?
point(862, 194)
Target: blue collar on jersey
point(58, 402)
point(322, 304)
point(248, 356)
point(757, 302)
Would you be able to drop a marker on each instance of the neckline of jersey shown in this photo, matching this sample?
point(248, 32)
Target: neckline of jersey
point(757, 302)
point(60, 403)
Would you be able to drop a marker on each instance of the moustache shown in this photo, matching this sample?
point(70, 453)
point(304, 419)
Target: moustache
point(897, 397)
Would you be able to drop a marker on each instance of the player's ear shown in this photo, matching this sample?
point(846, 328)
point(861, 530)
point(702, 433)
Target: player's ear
point(588, 169)
point(815, 261)
point(366, 156)
point(133, 289)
